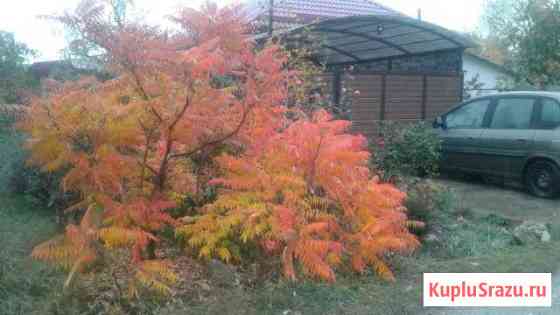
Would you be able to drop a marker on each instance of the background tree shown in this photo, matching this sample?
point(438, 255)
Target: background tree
point(489, 47)
point(14, 75)
point(529, 29)
point(472, 85)
point(83, 52)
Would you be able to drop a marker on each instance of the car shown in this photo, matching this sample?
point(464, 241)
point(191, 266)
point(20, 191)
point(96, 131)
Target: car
point(513, 135)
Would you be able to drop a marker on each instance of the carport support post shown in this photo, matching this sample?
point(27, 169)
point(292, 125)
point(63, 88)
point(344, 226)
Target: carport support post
point(424, 95)
point(271, 18)
point(336, 88)
point(461, 76)
point(383, 97)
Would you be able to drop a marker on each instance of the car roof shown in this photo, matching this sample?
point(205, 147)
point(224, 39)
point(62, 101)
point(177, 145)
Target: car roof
point(555, 95)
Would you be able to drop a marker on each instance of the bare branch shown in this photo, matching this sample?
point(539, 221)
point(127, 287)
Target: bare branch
point(219, 140)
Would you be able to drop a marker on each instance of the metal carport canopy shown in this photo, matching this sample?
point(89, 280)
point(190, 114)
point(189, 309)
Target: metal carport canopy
point(367, 38)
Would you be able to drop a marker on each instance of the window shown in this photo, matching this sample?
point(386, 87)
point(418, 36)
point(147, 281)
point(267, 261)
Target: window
point(513, 113)
point(550, 115)
point(469, 116)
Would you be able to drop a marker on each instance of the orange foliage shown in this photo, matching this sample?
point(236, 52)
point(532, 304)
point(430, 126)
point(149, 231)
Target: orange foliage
point(309, 197)
point(127, 145)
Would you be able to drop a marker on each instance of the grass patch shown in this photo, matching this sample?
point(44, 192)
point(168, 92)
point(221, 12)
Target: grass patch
point(454, 231)
point(11, 153)
point(366, 294)
point(25, 285)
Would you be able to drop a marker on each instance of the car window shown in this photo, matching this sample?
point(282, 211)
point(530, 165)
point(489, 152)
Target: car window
point(513, 113)
point(469, 116)
point(550, 114)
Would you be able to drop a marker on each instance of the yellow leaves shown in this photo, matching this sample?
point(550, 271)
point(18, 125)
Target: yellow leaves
point(246, 200)
point(317, 203)
point(50, 153)
point(72, 251)
point(56, 250)
point(334, 259)
point(315, 208)
point(415, 225)
point(224, 254)
point(115, 237)
point(312, 254)
point(66, 255)
point(156, 275)
point(178, 198)
point(205, 252)
point(382, 269)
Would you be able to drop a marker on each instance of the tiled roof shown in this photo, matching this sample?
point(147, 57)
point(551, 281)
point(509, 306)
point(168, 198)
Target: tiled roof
point(295, 12)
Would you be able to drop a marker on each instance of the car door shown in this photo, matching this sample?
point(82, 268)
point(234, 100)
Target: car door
point(461, 134)
point(547, 134)
point(506, 143)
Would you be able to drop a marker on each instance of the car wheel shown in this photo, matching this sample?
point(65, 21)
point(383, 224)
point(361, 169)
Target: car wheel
point(543, 179)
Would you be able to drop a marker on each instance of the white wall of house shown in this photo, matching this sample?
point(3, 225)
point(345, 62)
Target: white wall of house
point(488, 74)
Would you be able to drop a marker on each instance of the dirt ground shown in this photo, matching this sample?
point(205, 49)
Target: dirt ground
point(506, 199)
point(509, 200)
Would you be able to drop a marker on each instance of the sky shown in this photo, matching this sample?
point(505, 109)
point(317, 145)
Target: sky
point(22, 17)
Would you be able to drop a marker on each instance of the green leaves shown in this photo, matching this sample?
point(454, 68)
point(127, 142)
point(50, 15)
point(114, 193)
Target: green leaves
point(529, 30)
point(13, 72)
point(407, 150)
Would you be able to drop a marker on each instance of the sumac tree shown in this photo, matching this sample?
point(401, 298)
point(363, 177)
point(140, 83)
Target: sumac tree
point(128, 145)
point(184, 108)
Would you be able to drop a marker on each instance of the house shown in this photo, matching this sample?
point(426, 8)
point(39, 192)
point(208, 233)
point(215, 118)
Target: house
point(404, 69)
point(47, 69)
point(482, 76)
point(290, 13)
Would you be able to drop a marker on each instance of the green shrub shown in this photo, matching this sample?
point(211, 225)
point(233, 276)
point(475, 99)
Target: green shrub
point(426, 201)
point(406, 150)
point(17, 177)
point(422, 200)
point(42, 187)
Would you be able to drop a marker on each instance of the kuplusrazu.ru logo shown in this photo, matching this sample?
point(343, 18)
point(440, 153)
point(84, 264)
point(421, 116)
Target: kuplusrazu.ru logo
point(487, 289)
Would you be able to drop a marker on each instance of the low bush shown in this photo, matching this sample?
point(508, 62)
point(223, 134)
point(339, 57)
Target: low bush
point(40, 186)
point(9, 114)
point(423, 198)
point(21, 178)
point(406, 149)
